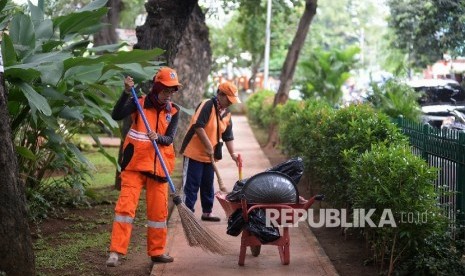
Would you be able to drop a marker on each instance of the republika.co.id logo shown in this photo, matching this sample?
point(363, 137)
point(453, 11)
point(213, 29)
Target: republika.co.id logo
point(339, 218)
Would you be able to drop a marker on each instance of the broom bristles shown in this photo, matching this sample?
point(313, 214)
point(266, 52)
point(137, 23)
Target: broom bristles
point(199, 236)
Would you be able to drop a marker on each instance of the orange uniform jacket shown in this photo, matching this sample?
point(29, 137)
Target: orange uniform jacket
point(138, 151)
point(192, 146)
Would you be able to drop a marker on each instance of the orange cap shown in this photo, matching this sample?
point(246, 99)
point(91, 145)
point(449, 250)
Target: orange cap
point(167, 77)
point(230, 90)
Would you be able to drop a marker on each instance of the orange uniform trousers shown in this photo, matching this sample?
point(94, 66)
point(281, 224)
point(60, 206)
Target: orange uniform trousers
point(132, 183)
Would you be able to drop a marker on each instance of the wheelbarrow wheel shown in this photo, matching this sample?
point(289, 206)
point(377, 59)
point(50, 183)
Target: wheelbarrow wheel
point(255, 249)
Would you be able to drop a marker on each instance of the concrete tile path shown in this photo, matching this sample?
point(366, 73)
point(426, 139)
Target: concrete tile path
point(307, 257)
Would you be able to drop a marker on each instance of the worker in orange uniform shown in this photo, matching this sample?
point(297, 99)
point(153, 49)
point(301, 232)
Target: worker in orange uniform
point(210, 124)
point(140, 166)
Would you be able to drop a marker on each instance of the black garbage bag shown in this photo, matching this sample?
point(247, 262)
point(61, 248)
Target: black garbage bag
point(257, 226)
point(270, 187)
point(236, 223)
point(236, 193)
point(294, 168)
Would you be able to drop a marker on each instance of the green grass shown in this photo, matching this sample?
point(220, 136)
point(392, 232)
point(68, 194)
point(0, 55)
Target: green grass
point(71, 248)
point(105, 170)
point(67, 254)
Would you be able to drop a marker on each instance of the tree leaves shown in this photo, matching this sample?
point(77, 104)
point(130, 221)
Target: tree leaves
point(54, 80)
point(8, 52)
point(79, 23)
point(35, 99)
point(22, 34)
point(427, 29)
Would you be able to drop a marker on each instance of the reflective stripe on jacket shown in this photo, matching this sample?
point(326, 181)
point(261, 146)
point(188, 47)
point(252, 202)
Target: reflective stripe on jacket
point(138, 151)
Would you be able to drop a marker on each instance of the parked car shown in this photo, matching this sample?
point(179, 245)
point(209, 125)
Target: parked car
point(456, 121)
point(444, 116)
point(438, 91)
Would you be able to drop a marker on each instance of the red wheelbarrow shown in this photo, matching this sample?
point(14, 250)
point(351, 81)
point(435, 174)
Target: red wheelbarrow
point(248, 239)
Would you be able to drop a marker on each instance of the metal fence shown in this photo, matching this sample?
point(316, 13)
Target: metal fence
point(445, 150)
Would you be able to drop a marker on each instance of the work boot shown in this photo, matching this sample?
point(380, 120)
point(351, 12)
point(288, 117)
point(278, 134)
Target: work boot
point(113, 260)
point(163, 258)
point(209, 217)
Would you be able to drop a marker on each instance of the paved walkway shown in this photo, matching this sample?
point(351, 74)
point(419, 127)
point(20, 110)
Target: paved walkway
point(307, 257)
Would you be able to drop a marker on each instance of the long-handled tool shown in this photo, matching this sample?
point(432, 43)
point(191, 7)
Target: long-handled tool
point(239, 167)
point(255, 249)
point(195, 233)
point(220, 180)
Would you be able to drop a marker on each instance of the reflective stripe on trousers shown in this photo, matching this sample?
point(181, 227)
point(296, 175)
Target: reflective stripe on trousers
point(156, 224)
point(157, 213)
point(125, 219)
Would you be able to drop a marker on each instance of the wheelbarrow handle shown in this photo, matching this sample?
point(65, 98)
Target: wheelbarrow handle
point(312, 200)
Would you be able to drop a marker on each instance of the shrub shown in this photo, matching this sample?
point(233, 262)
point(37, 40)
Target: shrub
point(329, 139)
point(439, 254)
point(350, 132)
point(395, 99)
point(299, 128)
point(260, 108)
point(391, 177)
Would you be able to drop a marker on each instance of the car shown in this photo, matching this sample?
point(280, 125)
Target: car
point(436, 91)
point(444, 116)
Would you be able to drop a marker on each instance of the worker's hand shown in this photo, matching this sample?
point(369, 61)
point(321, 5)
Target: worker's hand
point(234, 156)
point(128, 84)
point(153, 135)
point(209, 150)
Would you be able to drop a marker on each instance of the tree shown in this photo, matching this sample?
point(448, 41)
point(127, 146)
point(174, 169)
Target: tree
point(325, 72)
point(425, 30)
point(164, 27)
point(347, 23)
point(108, 34)
point(16, 254)
point(179, 28)
point(287, 72)
point(193, 61)
point(245, 34)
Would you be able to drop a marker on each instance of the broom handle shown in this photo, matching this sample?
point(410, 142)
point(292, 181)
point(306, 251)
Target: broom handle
point(239, 167)
point(141, 112)
point(220, 180)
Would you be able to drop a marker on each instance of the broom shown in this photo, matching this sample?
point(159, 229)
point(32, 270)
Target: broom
point(196, 234)
point(220, 180)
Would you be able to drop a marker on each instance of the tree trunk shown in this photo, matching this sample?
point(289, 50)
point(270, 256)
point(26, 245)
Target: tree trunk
point(255, 67)
point(193, 63)
point(16, 254)
point(108, 34)
point(178, 27)
point(288, 70)
point(164, 27)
